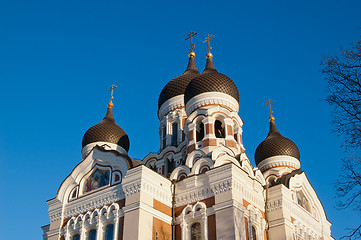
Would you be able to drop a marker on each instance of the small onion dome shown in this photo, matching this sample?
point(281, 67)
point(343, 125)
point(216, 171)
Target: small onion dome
point(178, 85)
point(275, 145)
point(107, 131)
point(211, 81)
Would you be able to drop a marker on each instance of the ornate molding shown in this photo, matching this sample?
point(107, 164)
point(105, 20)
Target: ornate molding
point(144, 179)
point(279, 161)
point(210, 98)
point(93, 201)
point(170, 105)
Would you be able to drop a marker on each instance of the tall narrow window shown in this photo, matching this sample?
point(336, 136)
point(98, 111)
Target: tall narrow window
point(200, 132)
point(76, 237)
point(109, 232)
point(196, 233)
point(164, 136)
point(218, 129)
point(254, 236)
point(174, 134)
point(93, 234)
point(170, 162)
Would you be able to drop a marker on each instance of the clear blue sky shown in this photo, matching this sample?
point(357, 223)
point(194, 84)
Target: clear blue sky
point(58, 59)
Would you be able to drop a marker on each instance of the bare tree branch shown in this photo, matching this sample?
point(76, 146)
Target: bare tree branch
point(343, 74)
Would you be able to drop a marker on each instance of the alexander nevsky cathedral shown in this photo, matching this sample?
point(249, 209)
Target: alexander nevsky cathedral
point(200, 185)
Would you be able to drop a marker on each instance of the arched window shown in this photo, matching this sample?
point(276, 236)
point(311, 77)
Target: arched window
point(254, 235)
point(76, 237)
point(182, 176)
point(196, 233)
point(200, 132)
point(174, 140)
point(93, 234)
point(109, 232)
point(170, 163)
point(153, 166)
point(204, 169)
point(218, 129)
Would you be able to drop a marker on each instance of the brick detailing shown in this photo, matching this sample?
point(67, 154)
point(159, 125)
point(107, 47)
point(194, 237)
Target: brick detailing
point(245, 203)
point(209, 142)
point(121, 203)
point(191, 148)
point(209, 128)
point(163, 229)
point(121, 227)
point(246, 227)
point(212, 234)
point(231, 143)
point(162, 207)
point(190, 135)
point(178, 232)
point(229, 130)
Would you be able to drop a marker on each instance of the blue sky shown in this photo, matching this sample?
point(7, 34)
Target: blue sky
point(59, 58)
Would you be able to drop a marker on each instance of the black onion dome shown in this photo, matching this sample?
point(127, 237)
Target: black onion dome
point(178, 85)
point(275, 145)
point(211, 81)
point(107, 131)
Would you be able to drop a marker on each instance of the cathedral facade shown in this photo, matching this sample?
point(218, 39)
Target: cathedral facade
point(199, 185)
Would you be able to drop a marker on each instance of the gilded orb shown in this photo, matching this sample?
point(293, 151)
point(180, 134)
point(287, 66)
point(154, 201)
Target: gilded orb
point(110, 105)
point(191, 54)
point(209, 55)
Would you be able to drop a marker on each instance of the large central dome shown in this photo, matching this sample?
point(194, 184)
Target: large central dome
point(211, 81)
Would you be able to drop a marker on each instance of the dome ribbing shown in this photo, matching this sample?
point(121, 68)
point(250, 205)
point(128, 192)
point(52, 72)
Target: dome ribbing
point(178, 85)
point(211, 81)
point(275, 145)
point(107, 131)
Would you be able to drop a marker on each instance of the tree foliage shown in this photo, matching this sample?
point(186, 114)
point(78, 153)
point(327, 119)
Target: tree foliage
point(343, 74)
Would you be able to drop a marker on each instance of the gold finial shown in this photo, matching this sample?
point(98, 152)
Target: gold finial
point(209, 37)
point(269, 102)
point(190, 36)
point(110, 104)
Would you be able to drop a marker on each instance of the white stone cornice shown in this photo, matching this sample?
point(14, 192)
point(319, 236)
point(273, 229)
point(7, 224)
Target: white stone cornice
point(209, 98)
point(170, 105)
point(279, 161)
point(107, 146)
point(142, 178)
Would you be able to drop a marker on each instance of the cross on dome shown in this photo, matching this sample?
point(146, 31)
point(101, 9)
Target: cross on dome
point(190, 36)
point(209, 37)
point(269, 102)
point(110, 104)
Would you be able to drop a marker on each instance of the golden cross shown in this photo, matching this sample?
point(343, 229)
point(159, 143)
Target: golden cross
point(111, 92)
point(190, 36)
point(269, 102)
point(209, 37)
